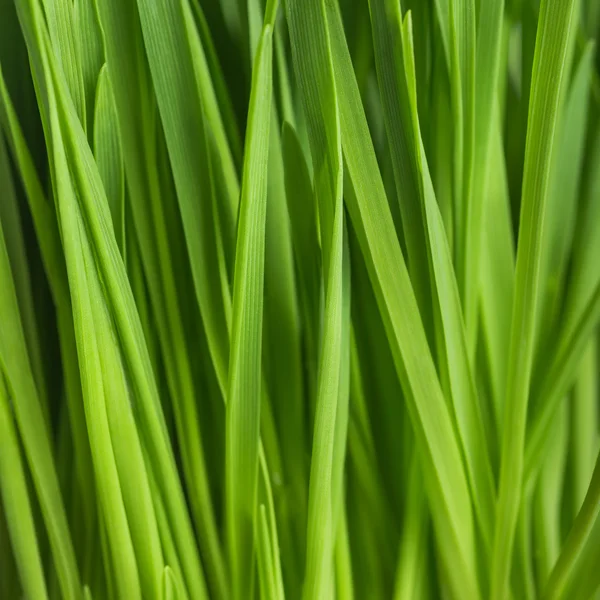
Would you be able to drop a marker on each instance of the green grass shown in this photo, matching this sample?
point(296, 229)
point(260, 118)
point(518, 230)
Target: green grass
point(299, 299)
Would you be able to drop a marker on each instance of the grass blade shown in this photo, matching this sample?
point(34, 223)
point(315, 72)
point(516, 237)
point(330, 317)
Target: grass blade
point(34, 433)
point(16, 248)
point(548, 499)
point(453, 348)
point(558, 379)
point(171, 586)
point(244, 388)
point(497, 276)
point(582, 527)
point(108, 155)
point(487, 67)
point(387, 37)
point(16, 505)
point(444, 473)
point(551, 46)
point(268, 585)
point(136, 110)
point(60, 17)
point(95, 213)
point(90, 49)
point(462, 89)
point(302, 209)
point(561, 213)
point(182, 115)
point(584, 434)
point(115, 442)
point(283, 356)
point(313, 64)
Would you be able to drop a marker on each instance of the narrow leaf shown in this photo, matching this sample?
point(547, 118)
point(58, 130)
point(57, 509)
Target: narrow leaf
point(551, 47)
point(244, 386)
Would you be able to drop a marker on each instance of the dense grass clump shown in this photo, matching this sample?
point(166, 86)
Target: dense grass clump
point(299, 299)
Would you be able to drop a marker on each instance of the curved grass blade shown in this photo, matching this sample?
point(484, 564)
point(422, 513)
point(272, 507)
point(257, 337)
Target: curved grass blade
point(115, 443)
point(34, 432)
point(584, 578)
point(367, 204)
point(390, 60)
point(464, 395)
point(125, 440)
point(46, 229)
point(136, 110)
point(95, 214)
point(580, 531)
point(551, 49)
point(103, 456)
point(447, 302)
